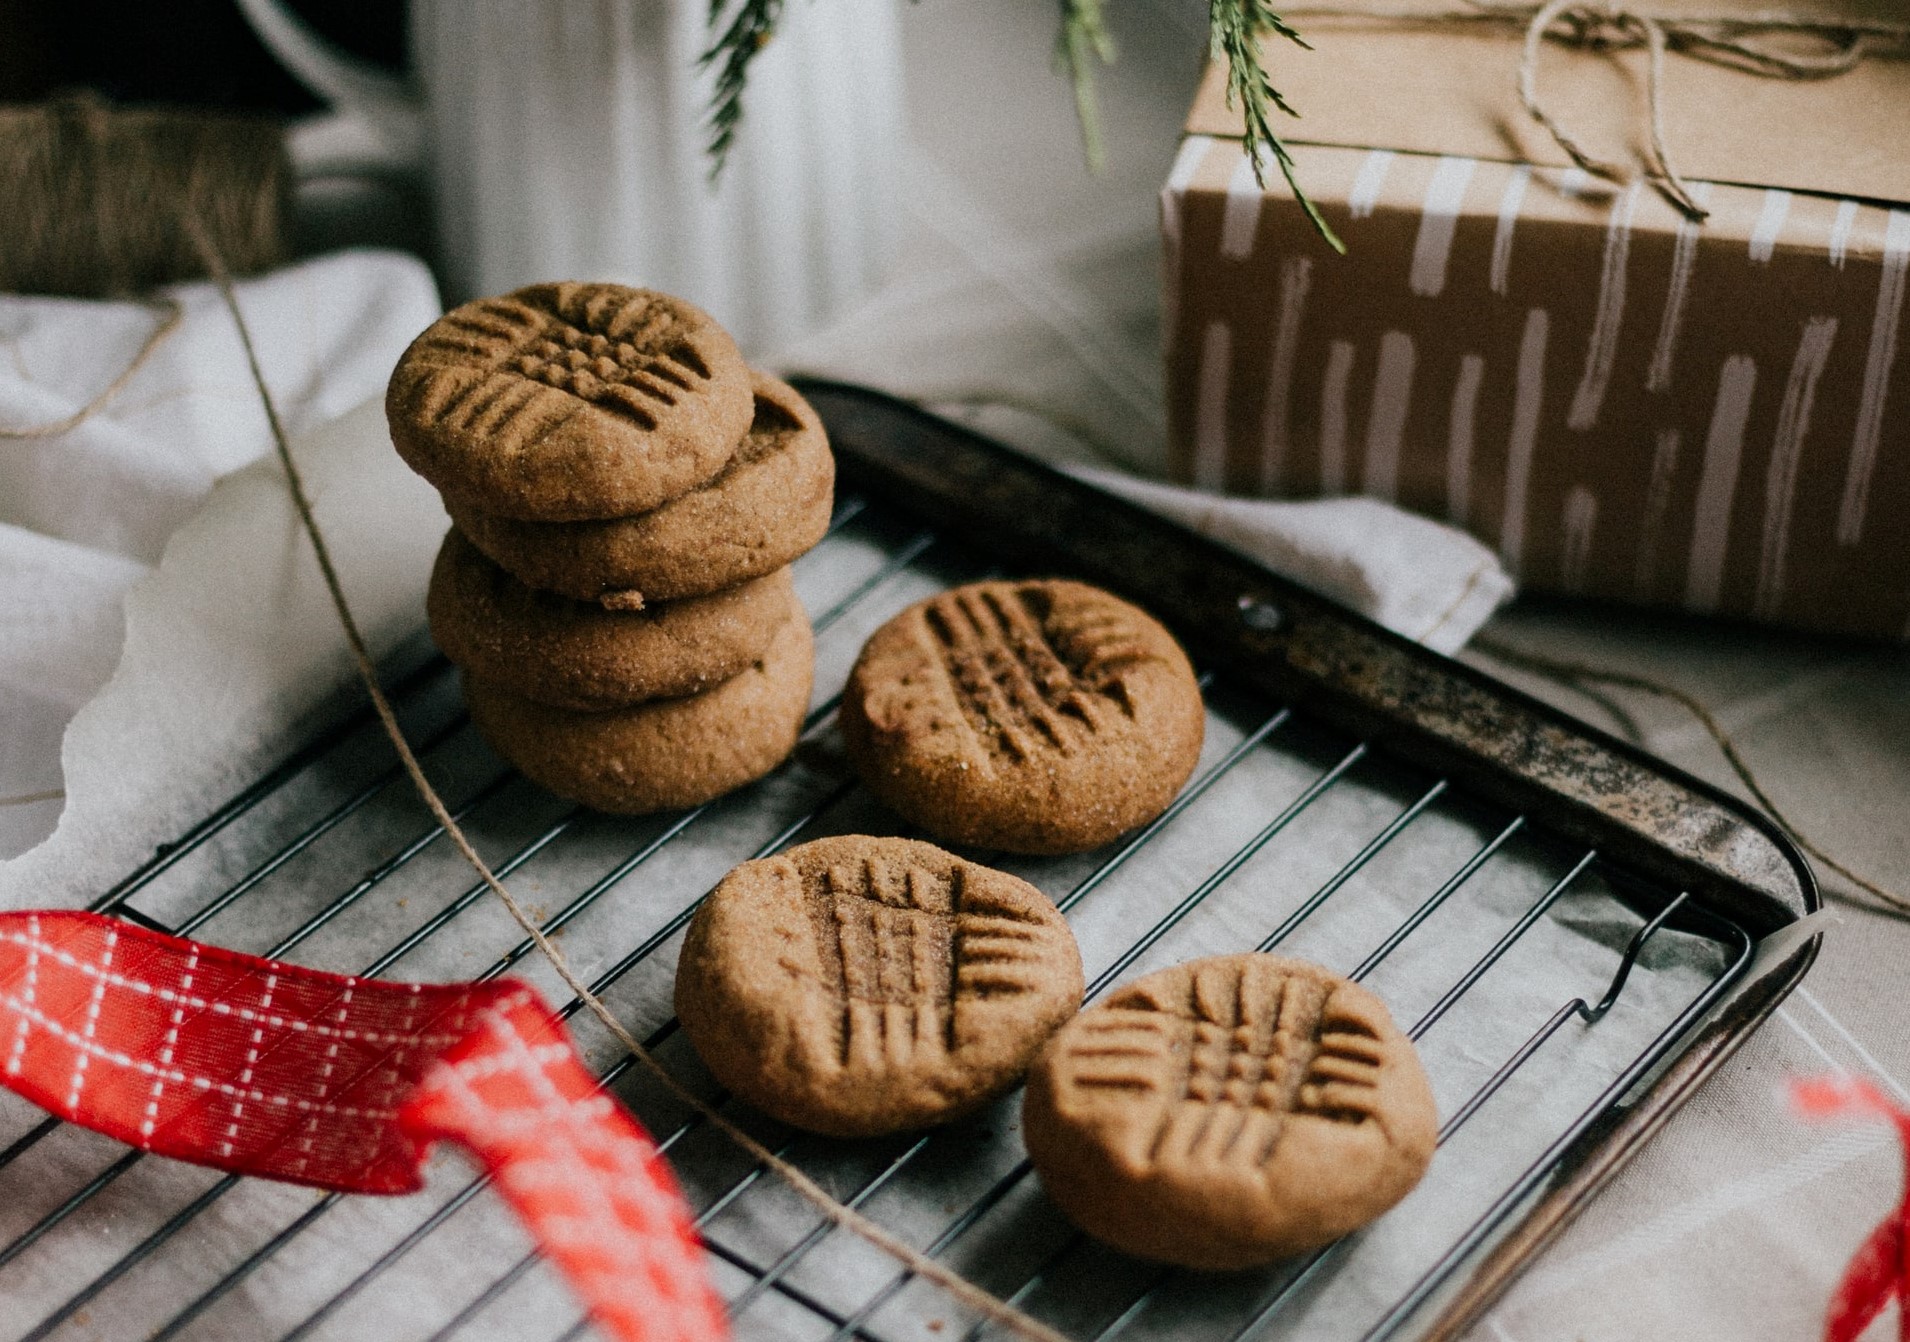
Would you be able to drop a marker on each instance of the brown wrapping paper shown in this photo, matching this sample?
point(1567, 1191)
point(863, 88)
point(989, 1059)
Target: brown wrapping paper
point(1627, 404)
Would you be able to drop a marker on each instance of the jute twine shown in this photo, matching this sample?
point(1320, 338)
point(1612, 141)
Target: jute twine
point(1577, 675)
point(982, 1301)
point(89, 184)
point(167, 313)
point(87, 216)
point(31, 798)
point(1774, 45)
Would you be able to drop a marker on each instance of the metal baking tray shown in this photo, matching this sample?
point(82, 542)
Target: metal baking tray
point(1576, 934)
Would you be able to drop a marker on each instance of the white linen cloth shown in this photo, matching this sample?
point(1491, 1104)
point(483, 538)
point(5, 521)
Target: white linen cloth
point(1421, 578)
point(1417, 577)
point(85, 517)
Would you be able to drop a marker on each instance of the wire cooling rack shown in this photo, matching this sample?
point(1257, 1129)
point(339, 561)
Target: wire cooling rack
point(1570, 932)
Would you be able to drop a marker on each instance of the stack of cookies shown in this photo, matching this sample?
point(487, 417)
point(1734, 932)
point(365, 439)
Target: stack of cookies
point(626, 496)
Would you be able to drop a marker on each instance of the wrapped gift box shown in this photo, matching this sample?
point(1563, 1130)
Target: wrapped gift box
point(1628, 403)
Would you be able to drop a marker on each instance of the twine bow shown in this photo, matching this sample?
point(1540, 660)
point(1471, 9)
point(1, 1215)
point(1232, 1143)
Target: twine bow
point(1606, 27)
point(1773, 45)
point(1741, 43)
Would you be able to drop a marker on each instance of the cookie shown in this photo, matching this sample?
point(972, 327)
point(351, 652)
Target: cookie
point(1229, 1112)
point(770, 504)
point(1035, 717)
point(568, 401)
point(664, 754)
point(856, 986)
point(576, 654)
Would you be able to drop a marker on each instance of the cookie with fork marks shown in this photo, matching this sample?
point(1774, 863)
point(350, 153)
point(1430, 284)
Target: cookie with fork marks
point(566, 402)
point(855, 986)
point(767, 506)
point(1229, 1112)
point(1032, 717)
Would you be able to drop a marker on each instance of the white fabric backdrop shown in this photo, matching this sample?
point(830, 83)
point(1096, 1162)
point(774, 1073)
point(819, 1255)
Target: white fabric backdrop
point(85, 516)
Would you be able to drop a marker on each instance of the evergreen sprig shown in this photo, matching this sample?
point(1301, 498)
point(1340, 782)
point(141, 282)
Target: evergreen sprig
point(733, 45)
point(1083, 40)
point(1235, 28)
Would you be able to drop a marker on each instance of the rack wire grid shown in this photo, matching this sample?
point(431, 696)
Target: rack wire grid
point(1542, 979)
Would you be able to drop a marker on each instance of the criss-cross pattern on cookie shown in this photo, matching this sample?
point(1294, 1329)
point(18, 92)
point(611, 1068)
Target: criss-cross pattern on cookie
point(1230, 1058)
point(904, 947)
point(630, 358)
point(1030, 676)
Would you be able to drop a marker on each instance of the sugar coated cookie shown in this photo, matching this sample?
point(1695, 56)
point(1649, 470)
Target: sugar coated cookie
point(1229, 1112)
point(855, 986)
point(567, 401)
point(664, 754)
point(1035, 717)
point(576, 654)
point(770, 504)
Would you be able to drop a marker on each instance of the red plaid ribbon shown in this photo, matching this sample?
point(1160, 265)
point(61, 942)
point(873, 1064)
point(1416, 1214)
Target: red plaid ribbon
point(1880, 1270)
point(343, 1083)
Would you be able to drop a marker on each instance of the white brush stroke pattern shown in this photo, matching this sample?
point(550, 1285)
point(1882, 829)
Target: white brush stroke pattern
point(1461, 432)
point(1787, 449)
point(1877, 366)
point(1664, 470)
point(1210, 411)
point(1718, 483)
point(1363, 199)
point(1240, 217)
point(1386, 423)
point(1438, 222)
point(1296, 279)
point(1770, 224)
point(1580, 519)
point(1509, 202)
point(1840, 226)
point(1684, 259)
point(1339, 371)
point(1528, 397)
point(1601, 350)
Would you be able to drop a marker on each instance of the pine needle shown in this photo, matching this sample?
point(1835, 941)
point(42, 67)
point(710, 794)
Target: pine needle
point(1083, 40)
point(1234, 30)
point(733, 45)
